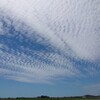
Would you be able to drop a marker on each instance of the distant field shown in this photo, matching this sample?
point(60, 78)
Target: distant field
point(61, 99)
point(52, 99)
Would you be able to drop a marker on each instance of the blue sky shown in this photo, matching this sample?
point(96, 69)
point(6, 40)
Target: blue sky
point(30, 90)
point(51, 49)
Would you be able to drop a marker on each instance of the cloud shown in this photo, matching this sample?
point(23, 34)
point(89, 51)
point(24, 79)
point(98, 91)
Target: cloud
point(66, 22)
point(44, 39)
point(32, 69)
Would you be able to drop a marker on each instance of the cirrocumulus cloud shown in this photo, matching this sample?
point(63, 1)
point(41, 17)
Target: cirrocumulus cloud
point(42, 41)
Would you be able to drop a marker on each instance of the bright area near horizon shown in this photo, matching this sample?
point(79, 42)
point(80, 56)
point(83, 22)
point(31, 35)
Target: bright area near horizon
point(49, 48)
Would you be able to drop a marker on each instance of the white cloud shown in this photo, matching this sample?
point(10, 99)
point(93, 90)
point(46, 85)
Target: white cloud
point(27, 68)
point(70, 27)
point(76, 23)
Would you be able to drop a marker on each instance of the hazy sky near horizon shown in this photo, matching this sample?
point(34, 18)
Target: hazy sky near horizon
point(49, 47)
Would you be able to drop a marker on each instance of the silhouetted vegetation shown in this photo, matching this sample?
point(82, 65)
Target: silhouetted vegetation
point(43, 96)
point(85, 97)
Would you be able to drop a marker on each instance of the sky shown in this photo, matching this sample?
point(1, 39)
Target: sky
point(49, 47)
